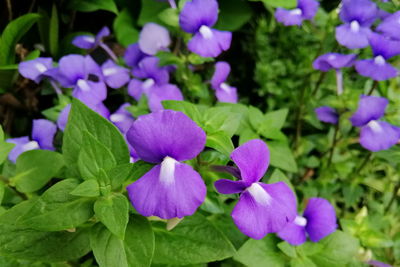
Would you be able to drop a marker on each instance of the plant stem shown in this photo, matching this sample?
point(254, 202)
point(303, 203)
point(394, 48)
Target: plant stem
point(395, 190)
point(334, 143)
point(109, 52)
point(319, 82)
point(365, 161)
point(9, 8)
point(56, 87)
point(374, 85)
point(339, 81)
point(172, 4)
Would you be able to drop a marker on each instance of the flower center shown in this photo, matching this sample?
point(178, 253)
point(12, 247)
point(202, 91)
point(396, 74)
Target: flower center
point(379, 60)
point(30, 146)
point(117, 117)
point(354, 26)
point(259, 194)
point(89, 39)
point(83, 85)
point(205, 32)
point(375, 127)
point(300, 221)
point(40, 67)
point(148, 83)
point(109, 71)
point(296, 11)
point(331, 57)
point(167, 171)
point(225, 87)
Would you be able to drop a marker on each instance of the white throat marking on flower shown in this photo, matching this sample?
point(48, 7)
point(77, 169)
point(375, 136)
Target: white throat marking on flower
point(117, 117)
point(40, 67)
point(375, 127)
point(83, 85)
point(30, 146)
point(296, 11)
point(89, 39)
point(225, 87)
point(259, 194)
point(379, 60)
point(110, 71)
point(354, 26)
point(148, 83)
point(300, 221)
point(206, 32)
point(167, 170)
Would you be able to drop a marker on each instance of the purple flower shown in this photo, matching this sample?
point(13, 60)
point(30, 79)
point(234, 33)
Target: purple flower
point(122, 118)
point(164, 92)
point(377, 68)
point(114, 75)
point(197, 17)
point(262, 208)
point(43, 132)
point(378, 264)
point(318, 221)
point(335, 61)
point(171, 188)
point(375, 135)
point(224, 92)
point(153, 38)
point(391, 26)
point(358, 16)
point(133, 55)
point(89, 41)
point(327, 114)
point(305, 10)
point(35, 69)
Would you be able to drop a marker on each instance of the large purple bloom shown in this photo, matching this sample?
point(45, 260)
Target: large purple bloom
point(35, 69)
point(327, 114)
point(390, 26)
point(114, 75)
point(223, 91)
point(171, 188)
point(358, 16)
point(318, 221)
point(197, 17)
point(305, 10)
point(43, 132)
point(335, 61)
point(378, 68)
point(153, 38)
point(262, 208)
point(375, 135)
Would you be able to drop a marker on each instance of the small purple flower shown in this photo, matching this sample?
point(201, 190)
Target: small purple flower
point(390, 26)
point(171, 188)
point(377, 68)
point(375, 135)
point(197, 17)
point(164, 92)
point(335, 61)
point(89, 41)
point(122, 118)
point(223, 91)
point(358, 16)
point(262, 208)
point(327, 114)
point(35, 69)
point(378, 264)
point(43, 132)
point(133, 55)
point(153, 38)
point(114, 75)
point(318, 221)
point(305, 10)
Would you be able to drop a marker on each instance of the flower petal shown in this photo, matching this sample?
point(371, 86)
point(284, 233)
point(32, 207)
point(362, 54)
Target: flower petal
point(149, 68)
point(135, 89)
point(151, 196)
point(84, 41)
point(378, 72)
point(222, 70)
point(43, 132)
point(63, 117)
point(166, 133)
point(104, 32)
point(352, 39)
point(369, 108)
point(378, 135)
point(163, 92)
point(225, 186)
point(196, 13)
point(321, 218)
point(288, 17)
point(252, 158)
point(122, 118)
point(153, 38)
point(391, 26)
point(115, 76)
point(34, 69)
point(293, 234)
point(227, 94)
point(333, 60)
point(90, 92)
point(18, 148)
point(309, 8)
point(133, 55)
point(363, 11)
point(383, 46)
point(212, 46)
point(327, 114)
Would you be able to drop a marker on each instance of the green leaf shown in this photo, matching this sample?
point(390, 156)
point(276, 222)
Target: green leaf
point(339, 248)
point(150, 10)
point(276, 119)
point(81, 119)
point(264, 252)
point(221, 142)
point(93, 157)
point(302, 262)
point(289, 250)
point(5, 149)
point(124, 28)
point(170, 16)
point(25, 243)
point(135, 250)
point(2, 190)
point(89, 188)
point(233, 14)
point(282, 156)
point(279, 176)
point(221, 119)
point(1, 134)
point(194, 240)
point(113, 212)
point(93, 5)
point(186, 107)
point(36, 168)
point(53, 31)
point(278, 3)
point(12, 34)
point(57, 209)
point(123, 172)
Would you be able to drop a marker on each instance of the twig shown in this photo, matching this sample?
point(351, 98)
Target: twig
point(334, 143)
point(374, 85)
point(396, 189)
point(9, 8)
point(367, 158)
point(319, 82)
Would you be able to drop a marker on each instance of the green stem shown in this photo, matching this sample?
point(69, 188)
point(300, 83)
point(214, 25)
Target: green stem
point(395, 190)
point(364, 163)
point(374, 85)
point(334, 143)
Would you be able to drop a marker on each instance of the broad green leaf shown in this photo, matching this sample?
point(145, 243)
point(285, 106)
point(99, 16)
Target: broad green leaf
point(302, 262)
point(57, 209)
point(221, 142)
point(221, 119)
point(150, 10)
point(136, 250)
point(25, 243)
point(93, 5)
point(278, 3)
point(53, 31)
point(188, 108)
point(5, 149)
point(113, 212)
point(276, 119)
point(233, 14)
point(170, 16)
point(1, 134)
point(93, 157)
point(81, 119)
point(89, 188)
point(288, 249)
point(35, 168)
point(12, 34)
point(263, 252)
point(124, 28)
point(279, 176)
point(282, 156)
point(2, 190)
point(128, 172)
point(339, 248)
point(194, 240)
